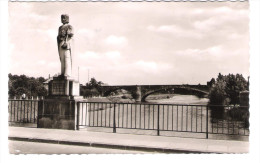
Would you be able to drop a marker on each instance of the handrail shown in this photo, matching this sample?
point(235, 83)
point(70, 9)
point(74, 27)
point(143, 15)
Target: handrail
point(168, 117)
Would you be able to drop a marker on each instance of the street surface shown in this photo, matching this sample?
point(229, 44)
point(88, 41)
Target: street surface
point(23, 147)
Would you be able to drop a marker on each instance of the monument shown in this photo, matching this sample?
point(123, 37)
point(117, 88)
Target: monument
point(58, 109)
point(64, 86)
point(64, 39)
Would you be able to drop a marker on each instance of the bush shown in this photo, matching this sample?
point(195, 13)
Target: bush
point(237, 113)
point(217, 112)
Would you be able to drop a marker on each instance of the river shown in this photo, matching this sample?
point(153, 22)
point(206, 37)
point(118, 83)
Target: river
point(177, 99)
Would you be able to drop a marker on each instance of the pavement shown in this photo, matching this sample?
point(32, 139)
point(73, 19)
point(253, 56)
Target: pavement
point(25, 147)
point(163, 144)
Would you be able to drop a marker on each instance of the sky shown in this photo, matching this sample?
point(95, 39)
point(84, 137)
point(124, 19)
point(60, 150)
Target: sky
point(133, 43)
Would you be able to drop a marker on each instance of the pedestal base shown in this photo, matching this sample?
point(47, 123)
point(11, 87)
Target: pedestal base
point(58, 109)
point(56, 114)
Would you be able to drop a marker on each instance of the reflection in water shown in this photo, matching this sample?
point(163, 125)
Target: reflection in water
point(180, 99)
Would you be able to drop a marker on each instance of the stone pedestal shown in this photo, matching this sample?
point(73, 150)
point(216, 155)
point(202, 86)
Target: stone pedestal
point(58, 109)
point(56, 114)
point(63, 88)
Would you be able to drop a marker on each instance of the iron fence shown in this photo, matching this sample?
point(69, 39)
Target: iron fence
point(203, 119)
point(231, 120)
point(22, 111)
point(161, 117)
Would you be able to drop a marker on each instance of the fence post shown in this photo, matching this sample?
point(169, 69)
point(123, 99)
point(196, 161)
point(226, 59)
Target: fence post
point(114, 119)
point(207, 123)
point(88, 114)
point(158, 121)
point(77, 120)
point(40, 112)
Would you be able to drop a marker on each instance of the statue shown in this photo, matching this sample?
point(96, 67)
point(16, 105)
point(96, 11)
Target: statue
point(64, 40)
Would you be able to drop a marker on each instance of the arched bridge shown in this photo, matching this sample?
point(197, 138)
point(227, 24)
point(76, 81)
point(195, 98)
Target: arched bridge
point(140, 92)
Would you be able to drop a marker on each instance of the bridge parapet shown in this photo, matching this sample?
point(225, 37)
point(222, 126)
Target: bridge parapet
point(140, 92)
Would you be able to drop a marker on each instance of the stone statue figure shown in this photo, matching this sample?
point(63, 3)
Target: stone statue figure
point(64, 40)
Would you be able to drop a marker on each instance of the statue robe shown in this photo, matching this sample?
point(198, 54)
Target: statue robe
point(65, 53)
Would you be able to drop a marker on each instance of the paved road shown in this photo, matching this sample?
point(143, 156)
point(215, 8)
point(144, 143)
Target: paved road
point(23, 147)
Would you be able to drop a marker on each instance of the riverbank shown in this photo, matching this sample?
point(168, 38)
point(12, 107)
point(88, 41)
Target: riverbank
point(159, 96)
point(113, 99)
point(154, 98)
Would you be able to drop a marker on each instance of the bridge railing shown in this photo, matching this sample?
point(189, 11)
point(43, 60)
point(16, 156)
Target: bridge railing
point(23, 111)
point(159, 118)
point(203, 120)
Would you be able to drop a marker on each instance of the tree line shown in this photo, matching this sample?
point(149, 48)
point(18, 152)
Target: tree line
point(33, 87)
point(22, 84)
point(224, 90)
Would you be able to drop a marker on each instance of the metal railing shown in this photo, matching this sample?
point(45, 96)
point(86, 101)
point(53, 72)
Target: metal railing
point(230, 120)
point(22, 111)
point(196, 119)
point(159, 117)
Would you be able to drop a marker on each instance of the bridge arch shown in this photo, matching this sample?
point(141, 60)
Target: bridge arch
point(153, 92)
point(179, 90)
point(140, 92)
point(109, 91)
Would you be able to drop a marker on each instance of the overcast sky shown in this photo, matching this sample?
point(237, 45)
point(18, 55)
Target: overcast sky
point(133, 43)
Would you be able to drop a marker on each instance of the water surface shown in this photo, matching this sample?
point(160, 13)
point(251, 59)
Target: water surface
point(179, 99)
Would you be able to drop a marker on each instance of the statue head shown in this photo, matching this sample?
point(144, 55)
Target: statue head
point(65, 19)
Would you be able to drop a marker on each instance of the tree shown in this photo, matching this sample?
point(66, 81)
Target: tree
point(234, 85)
point(211, 82)
point(226, 89)
point(220, 77)
point(93, 83)
point(217, 93)
point(93, 88)
point(22, 84)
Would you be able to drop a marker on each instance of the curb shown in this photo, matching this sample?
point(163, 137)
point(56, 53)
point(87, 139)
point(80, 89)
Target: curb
point(111, 146)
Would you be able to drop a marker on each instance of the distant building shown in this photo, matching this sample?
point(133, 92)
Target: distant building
point(45, 84)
